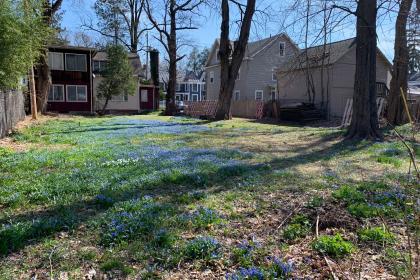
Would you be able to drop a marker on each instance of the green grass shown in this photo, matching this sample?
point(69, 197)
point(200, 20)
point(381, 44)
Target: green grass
point(137, 196)
point(334, 246)
point(376, 235)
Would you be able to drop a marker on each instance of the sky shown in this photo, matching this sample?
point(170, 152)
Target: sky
point(78, 11)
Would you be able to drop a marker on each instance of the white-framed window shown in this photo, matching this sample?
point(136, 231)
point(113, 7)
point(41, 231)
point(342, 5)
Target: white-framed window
point(76, 93)
point(237, 95)
point(76, 62)
point(194, 97)
point(282, 48)
point(56, 93)
point(211, 77)
point(55, 61)
point(259, 94)
point(99, 65)
point(194, 87)
point(274, 75)
point(178, 87)
point(144, 95)
point(121, 97)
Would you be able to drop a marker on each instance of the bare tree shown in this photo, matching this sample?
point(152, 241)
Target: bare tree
point(82, 39)
point(231, 60)
point(121, 21)
point(42, 69)
point(175, 16)
point(399, 81)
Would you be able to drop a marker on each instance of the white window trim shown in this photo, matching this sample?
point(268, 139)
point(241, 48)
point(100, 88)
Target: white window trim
point(211, 78)
point(123, 99)
point(76, 101)
point(58, 85)
point(234, 94)
point(194, 85)
point(79, 54)
point(284, 49)
point(195, 94)
point(262, 94)
point(274, 74)
point(62, 61)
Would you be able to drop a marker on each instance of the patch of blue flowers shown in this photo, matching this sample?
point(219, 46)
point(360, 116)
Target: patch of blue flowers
point(252, 273)
point(204, 248)
point(202, 217)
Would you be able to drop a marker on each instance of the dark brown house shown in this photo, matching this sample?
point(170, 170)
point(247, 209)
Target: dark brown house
point(71, 79)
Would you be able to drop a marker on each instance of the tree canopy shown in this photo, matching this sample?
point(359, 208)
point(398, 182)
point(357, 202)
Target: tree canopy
point(20, 39)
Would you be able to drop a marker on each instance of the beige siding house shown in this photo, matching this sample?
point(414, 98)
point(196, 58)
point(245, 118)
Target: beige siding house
point(122, 103)
point(257, 75)
point(339, 70)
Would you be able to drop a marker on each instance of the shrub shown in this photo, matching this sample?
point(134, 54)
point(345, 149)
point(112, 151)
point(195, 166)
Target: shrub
point(316, 201)
point(376, 235)
point(299, 227)
point(164, 239)
point(334, 246)
point(205, 248)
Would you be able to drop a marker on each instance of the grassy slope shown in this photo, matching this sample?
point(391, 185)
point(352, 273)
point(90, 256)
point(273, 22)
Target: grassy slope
point(126, 195)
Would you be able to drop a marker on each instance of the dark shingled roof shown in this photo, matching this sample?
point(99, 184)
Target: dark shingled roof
point(333, 52)
point(132, 57)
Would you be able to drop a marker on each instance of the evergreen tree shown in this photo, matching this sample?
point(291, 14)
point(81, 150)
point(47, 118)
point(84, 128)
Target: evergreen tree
point(118, 75)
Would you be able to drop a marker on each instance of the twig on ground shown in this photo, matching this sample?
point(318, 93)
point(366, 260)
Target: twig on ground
point(289, 215)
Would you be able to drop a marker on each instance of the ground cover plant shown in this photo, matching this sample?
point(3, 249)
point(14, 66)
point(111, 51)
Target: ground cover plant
point(151, 197)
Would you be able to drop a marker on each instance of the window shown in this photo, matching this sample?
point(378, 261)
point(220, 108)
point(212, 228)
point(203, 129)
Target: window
point(56, 93)
point(195, 97)
point(55, 61)
point(76, 62)
point(144, 95)
point(120, 97)
point(178, 87)
point(194, 87)
point(274, 75)
point(273, 94)
point(259, 95)
point(99, 66)
point(237, 95)
point(282, 48)
point(211, 77)
point(76, 93)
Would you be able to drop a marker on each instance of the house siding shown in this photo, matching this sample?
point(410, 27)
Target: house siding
point(292, 85)
point(255, 72)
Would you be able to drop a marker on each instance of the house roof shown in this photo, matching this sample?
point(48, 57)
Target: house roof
point(333, 52)
point(133, 58)
point(253, 48)
point(61, 47)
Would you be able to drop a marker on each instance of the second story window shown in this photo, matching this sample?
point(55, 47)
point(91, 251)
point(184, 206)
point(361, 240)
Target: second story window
point(178, 87)
point(55, 61)
point(76, 62)
point(99, 66)
point(282, 48)
point(211, 77)
point(194, 87)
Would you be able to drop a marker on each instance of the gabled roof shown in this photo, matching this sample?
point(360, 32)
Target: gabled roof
point(333, 52)
point(133, 58)
point(253, 48)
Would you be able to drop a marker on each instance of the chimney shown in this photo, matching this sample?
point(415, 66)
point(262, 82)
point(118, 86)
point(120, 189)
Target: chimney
point(154, 66)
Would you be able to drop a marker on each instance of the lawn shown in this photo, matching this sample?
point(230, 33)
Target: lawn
point(151, 197)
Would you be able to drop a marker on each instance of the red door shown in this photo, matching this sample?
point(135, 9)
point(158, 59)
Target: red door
point(146, 98)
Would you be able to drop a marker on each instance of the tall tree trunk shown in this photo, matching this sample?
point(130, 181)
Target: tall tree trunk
point(396, 113)
point(172, 47)
point(229, 68)
point(42, 68)
point(364, 123)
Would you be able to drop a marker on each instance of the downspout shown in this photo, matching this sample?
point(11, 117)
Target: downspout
point(91, 81)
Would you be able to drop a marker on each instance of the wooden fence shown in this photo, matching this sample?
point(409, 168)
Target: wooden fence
point(11, 110)
point(243, 108)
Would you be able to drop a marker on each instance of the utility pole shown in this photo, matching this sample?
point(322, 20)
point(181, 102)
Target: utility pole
point(147, 55)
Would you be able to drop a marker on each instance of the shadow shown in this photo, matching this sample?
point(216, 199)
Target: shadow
point(46, 223)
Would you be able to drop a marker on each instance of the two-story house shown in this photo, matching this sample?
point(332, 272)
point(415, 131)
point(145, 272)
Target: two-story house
point(71, 79)
point(191, 87)
point(257, 79)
